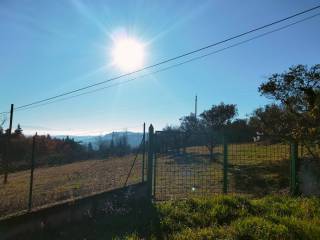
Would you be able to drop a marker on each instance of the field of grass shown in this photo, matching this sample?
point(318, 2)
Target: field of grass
point(218, 217)
point(252, 170)
point(65, 182)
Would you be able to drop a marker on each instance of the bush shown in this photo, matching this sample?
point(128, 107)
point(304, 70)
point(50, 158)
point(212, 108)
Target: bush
point(305, 208)
point(202, 213)
point(300, 229)
point(204, 234)
point(259, 228)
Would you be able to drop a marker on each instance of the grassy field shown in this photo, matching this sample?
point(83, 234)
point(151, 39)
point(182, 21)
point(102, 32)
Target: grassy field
point(253, 170)
point(219, 217)
point(65, 182)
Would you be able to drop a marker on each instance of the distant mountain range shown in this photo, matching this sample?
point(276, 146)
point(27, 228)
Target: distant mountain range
point(134, 138)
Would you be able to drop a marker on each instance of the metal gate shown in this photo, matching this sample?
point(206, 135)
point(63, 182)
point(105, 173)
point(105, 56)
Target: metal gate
point(186, 166)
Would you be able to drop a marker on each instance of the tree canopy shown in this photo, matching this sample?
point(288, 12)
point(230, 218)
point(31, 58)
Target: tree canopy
point(218, 116)
point(297, 91)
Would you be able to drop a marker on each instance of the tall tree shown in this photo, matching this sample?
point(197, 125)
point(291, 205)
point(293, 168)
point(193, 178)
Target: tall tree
point(214, 121)
point(170, 138)
point(273, 122)
point(240, 131)
point(189, 125)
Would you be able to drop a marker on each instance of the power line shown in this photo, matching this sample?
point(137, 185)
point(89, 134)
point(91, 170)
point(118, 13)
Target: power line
point(171, 59)
point(174, 65)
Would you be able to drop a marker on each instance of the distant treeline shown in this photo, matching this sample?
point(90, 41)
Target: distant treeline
point(55, 151)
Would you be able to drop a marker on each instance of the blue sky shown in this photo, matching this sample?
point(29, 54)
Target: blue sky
point(49, 47)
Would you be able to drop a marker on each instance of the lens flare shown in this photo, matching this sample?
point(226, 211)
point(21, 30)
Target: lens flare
point(128, 54)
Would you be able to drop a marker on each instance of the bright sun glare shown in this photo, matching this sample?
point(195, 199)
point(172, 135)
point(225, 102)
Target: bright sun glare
point(128, 54)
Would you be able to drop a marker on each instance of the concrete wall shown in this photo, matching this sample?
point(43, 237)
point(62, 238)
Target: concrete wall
point(53, 217)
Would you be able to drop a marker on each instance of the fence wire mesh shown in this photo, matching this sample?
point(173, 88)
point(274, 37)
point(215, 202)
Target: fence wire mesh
point(258, 169)
point(193, 165)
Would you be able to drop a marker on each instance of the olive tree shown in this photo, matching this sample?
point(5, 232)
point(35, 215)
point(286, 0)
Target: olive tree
point(298, 91)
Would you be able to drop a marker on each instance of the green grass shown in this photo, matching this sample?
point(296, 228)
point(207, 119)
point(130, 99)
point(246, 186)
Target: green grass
point(231, 217)
point(218, 217)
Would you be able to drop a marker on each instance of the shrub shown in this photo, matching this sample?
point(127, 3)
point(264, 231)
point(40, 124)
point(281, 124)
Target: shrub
point(300, 229)
point(204, 234)
point(232, 217)
point(259, 228)
point(305, 208)
point(202, 213)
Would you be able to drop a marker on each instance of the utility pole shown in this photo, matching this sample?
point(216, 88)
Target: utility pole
point(195, 106)
point(6, 162)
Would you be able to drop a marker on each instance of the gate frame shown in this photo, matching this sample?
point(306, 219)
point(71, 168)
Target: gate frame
point(150, 169)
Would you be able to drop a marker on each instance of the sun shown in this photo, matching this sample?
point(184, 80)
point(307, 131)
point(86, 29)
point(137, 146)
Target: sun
point(128, 54)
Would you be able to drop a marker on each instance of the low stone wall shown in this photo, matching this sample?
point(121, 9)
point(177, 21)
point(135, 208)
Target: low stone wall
point(72, 211)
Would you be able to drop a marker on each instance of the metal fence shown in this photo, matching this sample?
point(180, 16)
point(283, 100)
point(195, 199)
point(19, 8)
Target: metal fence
point(174, 164)
point(44, 184)
point(196, 164)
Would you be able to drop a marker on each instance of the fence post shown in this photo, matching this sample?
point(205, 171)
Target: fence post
point(31, 172)
point(150, 162)
point(154, 177)
point(225, 166)
point(143, 150)
point(293, 169)
point(6, 160)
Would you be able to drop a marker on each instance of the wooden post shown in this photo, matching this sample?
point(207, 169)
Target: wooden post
point(143, 150)
point(150, 162)
point(31, 172)
point(6, 157)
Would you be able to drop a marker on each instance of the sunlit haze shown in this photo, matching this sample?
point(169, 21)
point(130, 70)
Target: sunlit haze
point(128, 54)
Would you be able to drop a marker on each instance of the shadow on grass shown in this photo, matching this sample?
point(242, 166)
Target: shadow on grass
point(193, 158)
point(137, 217)
point(260, 179)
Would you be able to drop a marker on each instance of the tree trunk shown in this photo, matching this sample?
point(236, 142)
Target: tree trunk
point(211, 153)
point(211, 150)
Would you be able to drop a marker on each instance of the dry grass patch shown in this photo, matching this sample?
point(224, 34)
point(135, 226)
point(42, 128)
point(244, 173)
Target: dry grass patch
point(59, 183)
